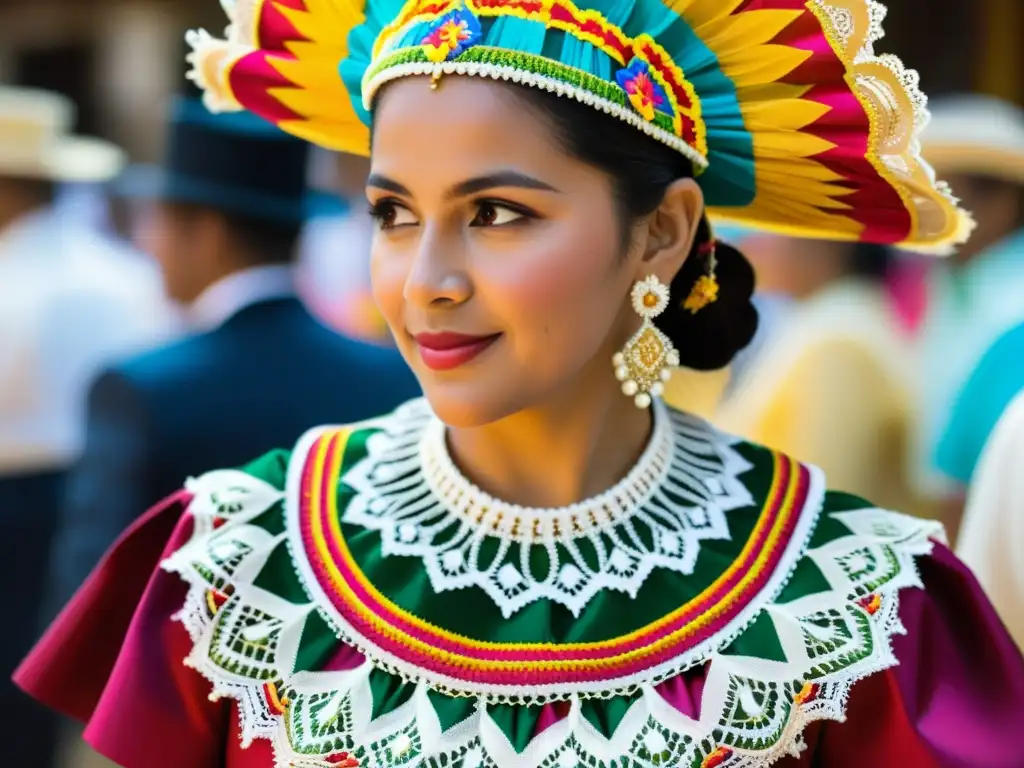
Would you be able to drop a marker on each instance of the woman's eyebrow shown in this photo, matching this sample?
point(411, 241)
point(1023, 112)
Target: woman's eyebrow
point(383, 182)
point(469, 186)
point(498, 179)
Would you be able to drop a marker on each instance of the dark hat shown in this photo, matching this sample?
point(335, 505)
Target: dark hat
point(234, 162)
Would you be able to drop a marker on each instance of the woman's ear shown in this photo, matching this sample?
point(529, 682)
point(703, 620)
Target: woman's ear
point(670, 231)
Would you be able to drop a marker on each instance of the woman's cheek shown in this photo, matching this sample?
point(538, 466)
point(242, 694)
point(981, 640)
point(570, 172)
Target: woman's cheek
point(548, 304)
point(387, 276)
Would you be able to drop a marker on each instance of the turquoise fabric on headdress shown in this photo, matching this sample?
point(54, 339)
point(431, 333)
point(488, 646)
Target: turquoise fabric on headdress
point(730, 179)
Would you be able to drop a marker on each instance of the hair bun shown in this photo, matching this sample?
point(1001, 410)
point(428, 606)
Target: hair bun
point(711, 337)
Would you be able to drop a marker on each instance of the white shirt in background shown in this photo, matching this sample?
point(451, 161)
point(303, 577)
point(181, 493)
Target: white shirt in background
point(239, 290)
point(71, 302)
point(992, 536)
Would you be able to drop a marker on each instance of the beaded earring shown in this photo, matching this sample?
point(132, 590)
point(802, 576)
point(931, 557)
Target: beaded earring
point(644, 364)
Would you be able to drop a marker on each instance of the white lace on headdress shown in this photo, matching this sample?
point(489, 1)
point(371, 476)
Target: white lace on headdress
point(892, 96)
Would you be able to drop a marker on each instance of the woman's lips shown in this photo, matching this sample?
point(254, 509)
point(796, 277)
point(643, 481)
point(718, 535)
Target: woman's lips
point(444, 351)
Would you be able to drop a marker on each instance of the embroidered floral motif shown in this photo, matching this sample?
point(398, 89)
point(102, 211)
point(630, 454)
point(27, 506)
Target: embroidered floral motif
point(451, 34)
point(753, 710)
point(871, 603)
point(644, 93)
point(342, 760)
point(717, 758)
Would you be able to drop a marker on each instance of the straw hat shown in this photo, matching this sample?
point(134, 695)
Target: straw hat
point(976, 135)
point(36, 143)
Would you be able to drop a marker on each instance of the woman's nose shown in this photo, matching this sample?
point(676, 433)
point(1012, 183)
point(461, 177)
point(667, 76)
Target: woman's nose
point(437, 276)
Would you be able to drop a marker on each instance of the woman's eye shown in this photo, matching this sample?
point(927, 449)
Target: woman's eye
point(390, 214)
point(495, 215)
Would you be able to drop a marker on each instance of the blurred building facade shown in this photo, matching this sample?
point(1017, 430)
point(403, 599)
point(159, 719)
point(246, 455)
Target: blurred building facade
point(120, 60)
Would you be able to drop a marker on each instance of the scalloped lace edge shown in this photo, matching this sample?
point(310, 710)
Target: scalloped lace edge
point(876, 531)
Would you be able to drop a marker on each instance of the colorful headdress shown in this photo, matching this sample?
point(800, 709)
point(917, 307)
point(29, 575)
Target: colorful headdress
point(791, 121)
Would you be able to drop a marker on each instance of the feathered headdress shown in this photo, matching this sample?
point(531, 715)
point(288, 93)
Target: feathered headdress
point(791, 121)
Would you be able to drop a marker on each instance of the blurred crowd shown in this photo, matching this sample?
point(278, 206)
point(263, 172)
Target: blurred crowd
point(159, 320)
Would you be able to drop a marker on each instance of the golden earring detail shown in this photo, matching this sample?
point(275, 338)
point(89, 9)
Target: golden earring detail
point(644, 364)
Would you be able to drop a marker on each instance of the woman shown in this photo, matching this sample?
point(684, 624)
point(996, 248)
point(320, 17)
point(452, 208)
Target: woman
point(807, 383)
point(526, 569)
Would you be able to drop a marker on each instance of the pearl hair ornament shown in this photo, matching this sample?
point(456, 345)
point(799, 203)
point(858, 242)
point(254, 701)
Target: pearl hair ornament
point(646, 361)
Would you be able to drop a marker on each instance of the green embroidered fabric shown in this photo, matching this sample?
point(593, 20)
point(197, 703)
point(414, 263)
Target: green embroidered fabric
point(265, 630)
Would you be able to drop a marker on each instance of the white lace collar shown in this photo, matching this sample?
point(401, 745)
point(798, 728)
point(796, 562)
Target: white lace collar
point(408, 489)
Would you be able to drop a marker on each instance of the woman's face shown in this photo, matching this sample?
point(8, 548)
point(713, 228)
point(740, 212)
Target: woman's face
point(498, 258)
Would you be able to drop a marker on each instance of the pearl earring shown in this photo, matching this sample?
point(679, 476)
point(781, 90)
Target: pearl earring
point(644, 364)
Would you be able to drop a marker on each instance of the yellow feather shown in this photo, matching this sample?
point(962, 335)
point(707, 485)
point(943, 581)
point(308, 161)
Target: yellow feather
point(700, 12)
point(789, 145)
point(307, 71)
point(326, 22)
point(799, 210)
point(763, 64)
point(799, 169)
point(820, 193)
point(801, 201)
point(319, 94)
point(341, 137)
point(745, 30)
point(786, 114)
point(798, 221)
point(316, 105)
point(749, 94)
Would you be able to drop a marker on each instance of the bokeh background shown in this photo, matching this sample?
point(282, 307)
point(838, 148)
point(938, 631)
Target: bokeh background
point(121, 61)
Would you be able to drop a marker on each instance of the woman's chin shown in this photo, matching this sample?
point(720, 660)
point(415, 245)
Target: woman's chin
point(469, 404)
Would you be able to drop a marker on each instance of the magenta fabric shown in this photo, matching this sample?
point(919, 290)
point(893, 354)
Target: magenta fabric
point(956, 699)
point(70, 666)
point(273, 27)
point(106, 662)
point(252, 78)
point(907, 286)
point(114, 659)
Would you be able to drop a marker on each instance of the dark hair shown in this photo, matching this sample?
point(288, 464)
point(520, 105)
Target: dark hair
point(642, 169)
point(260, 241)
point(37, 193)
point(870, 261)
point(263, 241)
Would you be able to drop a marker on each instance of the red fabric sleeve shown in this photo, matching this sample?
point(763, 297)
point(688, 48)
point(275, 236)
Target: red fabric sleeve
point(113, 658)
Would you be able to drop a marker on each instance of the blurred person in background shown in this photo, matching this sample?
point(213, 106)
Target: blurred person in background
point(335, 253)
point(70, 300)
point(977, 143)
point(992, 535)
point(830, 384)
point(257, 369)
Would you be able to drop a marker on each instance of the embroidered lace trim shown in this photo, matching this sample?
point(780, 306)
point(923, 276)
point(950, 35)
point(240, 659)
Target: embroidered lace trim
point(753, 710)
point(898, 109)
point(409, 490)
